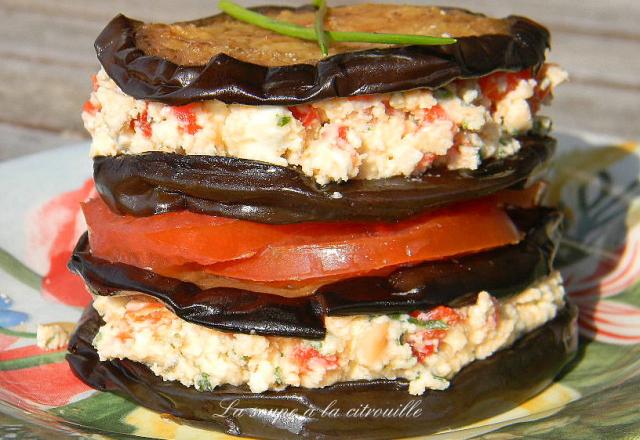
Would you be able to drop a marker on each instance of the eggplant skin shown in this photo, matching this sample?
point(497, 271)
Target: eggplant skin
point(362, 72)
point(154, 183)
point(503, 271)
point(481, 389)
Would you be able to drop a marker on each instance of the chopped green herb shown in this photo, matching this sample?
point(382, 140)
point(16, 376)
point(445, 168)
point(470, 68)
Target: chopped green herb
point(431, 324)
point(443, 93)
point(283, 120)
point(396, 316)
point(439, 377)
point(278, 376)
point(203, 383)
point(541, 126)
point(316, 344)
point(245, 358)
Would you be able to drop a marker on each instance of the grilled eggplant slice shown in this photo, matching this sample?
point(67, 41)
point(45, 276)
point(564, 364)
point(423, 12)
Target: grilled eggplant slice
point(221, 58)
point(153, 183)
point(481, 389)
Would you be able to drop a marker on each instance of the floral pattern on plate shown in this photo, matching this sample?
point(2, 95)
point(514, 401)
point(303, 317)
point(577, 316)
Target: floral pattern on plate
point(596, 186)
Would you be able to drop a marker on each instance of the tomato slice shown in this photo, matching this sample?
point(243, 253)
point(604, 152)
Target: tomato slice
point(467, 228)
point(173, 239)
point(299, 252)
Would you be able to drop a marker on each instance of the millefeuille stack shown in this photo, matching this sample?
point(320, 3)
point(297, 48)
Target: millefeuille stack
point(282, 232)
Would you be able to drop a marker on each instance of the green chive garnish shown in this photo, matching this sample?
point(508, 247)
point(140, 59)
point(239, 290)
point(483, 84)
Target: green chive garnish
point(293, 30)
point(323, 40)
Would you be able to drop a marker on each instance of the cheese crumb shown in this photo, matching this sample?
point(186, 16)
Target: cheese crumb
point(53, 336)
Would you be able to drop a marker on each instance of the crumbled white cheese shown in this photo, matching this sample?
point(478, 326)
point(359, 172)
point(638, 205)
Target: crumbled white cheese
point(367, 137)
point(355, 347)
point(53, 336)
point(513, 111)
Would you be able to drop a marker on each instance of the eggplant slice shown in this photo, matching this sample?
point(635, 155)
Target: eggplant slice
point(153, 183)
point(503, 271)
point(483, 388)
point(199, 60)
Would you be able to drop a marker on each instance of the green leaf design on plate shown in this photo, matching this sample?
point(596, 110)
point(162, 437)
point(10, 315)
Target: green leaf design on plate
point(589, 162)
point(610, 414)
point(630, 296)
point(19, 270)
point(103, 411)
point(9, 332)
point(599, 365)
point(32, 361)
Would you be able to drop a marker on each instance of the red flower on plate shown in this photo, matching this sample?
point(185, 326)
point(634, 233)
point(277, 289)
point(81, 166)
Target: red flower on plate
point(58, 225)
point(600, 318)
point(29, 375)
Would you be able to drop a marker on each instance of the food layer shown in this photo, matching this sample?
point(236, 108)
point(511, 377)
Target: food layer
point(194, 44)
point(483, 388)
point(426, 348)
point(233, 306)
point(214, 57)
point(152, 183)
point(366, 137)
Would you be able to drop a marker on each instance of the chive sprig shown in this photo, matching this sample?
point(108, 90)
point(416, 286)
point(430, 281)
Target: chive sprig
point(322, 36)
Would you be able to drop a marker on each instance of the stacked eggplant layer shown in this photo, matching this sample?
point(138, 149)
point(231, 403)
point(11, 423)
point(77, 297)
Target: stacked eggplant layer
point(482, 389)
point(165, 183)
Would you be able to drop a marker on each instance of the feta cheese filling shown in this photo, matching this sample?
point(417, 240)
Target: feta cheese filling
point(426, 348)
point(54, 336)
point(365, 137)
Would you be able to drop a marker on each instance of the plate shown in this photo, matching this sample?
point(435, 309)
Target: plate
point(594, 179)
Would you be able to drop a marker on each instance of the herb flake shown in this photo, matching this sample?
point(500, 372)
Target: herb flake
point(283, 120)
point(203, 383)
point(431, 324)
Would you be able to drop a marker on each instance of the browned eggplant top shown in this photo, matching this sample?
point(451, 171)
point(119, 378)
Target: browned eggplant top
point(156, 182)
point(195, 43)
point(502, 271)
point(221, 58)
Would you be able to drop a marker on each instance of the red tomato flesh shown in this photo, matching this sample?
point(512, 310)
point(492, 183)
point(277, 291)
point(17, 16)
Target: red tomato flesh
point(497, 85)
point(306, 251)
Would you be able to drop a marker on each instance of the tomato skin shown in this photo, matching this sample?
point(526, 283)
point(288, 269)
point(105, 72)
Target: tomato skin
point(142, 123)
point(305, 356)
point(435, 113)
point(187, 117)
point(306, 114)
point(497, 85)
point(94, 83)
point(440, 313)
point(342, 132)
point(90, 108)
point(425, 343)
